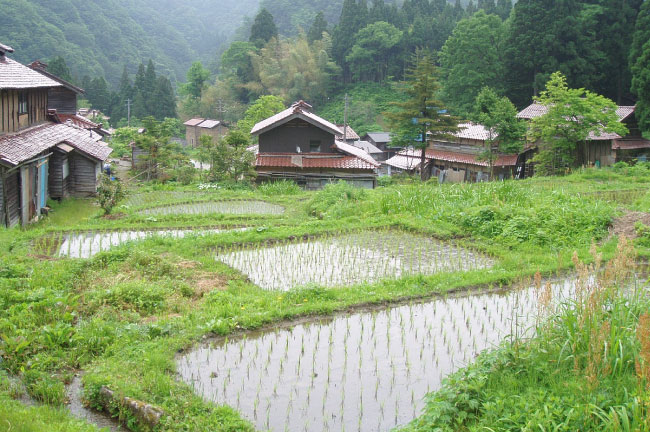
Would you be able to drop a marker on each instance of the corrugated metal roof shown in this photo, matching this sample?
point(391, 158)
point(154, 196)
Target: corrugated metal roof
point(209, 124)
point(311, 160)
point(193, 122)
point(535, 110)
point(14, 75)
point(354, 151)
point(77, 120)
point(379, 137)
point(367, 146)
point(474, 131)
point(403, 162)
point(297, 110)
point(22, 146)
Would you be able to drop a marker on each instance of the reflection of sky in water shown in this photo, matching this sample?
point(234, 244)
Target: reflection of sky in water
point(359, 372)
point(225, 207)
point(350, 259)
point(87, 245)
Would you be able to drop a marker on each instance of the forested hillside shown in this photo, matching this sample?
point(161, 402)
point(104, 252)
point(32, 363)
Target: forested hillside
point(100, 37)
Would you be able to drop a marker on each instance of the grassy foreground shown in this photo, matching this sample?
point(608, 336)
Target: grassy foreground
point(122, 316)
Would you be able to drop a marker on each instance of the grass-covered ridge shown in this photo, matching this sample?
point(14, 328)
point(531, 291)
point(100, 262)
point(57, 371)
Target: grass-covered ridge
point(122, 316)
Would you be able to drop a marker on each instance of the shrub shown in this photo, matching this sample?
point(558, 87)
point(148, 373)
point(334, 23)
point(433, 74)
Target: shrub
point(109, 193)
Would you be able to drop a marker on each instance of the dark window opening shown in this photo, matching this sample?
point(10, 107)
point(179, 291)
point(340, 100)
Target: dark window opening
point(22, 103)
point(314, 146)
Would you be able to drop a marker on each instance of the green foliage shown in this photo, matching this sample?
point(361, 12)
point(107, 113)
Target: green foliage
point(572, 115)
point(334, 199)
point(640, 64)
point(318, 27)
point(197, 75)
point(109, 193)
point(57, 66)
point(161, 154)
point(230, 160)
point(263, 108)
point(282, 187)
point(421, 117)
point(367, 103)
point(471, 59)
point(263, 29)
point(376, 45)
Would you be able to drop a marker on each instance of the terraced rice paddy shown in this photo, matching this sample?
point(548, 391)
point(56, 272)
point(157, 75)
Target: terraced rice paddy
point(220, 207)
point(89, 244)
point(367, 256)
point(358, 372)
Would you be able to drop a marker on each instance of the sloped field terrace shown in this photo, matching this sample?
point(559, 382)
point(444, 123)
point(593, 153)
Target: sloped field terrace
point(338, 260)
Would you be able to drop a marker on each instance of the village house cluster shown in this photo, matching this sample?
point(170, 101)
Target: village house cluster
point(297, 144)
point(46, 149)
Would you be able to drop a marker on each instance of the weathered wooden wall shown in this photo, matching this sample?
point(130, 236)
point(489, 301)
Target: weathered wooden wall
point(84, 175)
point(10, 121)
point(12, 196)
point(63, 100)
point(59, 186)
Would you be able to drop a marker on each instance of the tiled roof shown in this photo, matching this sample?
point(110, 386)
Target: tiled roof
point(311, 160)
point(5, 48)
point(474, 131)
point(354, 151)
point(349, 135)
point(41, 68)
point(458, 157)
point(14, 75)
point(297, 110)
point(25, 145)
point(77, 120)
point(379, 137)
point(193, 122)
point(630, 144)
point(605, 136)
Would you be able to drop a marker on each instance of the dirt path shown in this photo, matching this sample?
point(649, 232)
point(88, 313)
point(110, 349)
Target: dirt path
point(625, 224)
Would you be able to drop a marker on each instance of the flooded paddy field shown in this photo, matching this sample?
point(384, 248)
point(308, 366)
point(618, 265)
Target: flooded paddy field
point(365, 371)
point(349, 259)
point(90, 243)
point(210, 207)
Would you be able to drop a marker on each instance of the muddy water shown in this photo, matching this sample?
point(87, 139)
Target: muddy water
point(223, 207)
point(77, 409)
point(357, 372)
point(88, 244)
point(354, 258)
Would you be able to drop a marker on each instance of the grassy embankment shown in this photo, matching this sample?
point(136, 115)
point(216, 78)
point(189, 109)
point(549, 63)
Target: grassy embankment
point(123, 315)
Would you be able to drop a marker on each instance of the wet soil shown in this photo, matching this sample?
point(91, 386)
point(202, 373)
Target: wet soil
point(625, 225)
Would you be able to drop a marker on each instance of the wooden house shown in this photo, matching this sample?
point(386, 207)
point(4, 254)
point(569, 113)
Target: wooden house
point(457, 160)
point(382, 140)
point(197, 127)
point(601, 149)
point(297, 144)
point(40, 157)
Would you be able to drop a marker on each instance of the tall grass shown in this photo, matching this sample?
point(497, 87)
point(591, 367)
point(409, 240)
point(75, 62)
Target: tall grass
point(585, 369)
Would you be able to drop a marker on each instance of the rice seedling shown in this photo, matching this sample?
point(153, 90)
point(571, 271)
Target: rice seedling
point(220, 207)
point(367, 256)
point(385, 361)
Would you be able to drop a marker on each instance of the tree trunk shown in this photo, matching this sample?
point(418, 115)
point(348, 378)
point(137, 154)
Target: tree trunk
point(423, 159)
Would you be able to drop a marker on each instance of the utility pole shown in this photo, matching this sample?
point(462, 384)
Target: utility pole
point(221, 109)
point(345, 120)
point(128, 112)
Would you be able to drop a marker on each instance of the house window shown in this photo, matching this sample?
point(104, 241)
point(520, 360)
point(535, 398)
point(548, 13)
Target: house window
point(314, 146)
point(22, 103)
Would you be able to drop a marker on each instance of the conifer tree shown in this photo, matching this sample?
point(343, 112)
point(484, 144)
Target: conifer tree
point(317, 28)
point(57, 66)
point(263, 29)
point(640, 62)
point(421, 117)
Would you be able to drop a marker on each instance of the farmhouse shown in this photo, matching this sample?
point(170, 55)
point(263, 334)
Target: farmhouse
point(457, 160)
point(42, 155)
point(298, 145)
point(197, 127)
point(602, 149)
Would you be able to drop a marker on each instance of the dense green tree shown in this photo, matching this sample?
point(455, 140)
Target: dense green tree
point(640, 63)
point(317, 28)
point(264, 107)
point(572, 115)
point(149, 80)
point(471, 59)
point(503, 8)
point(350, 22)
point(263, 29)
point(57, 66)
point(163, 101)
point(375, 46)
point(421, 116)
point(499, 116)
point(230, 158)
point(98, 94)
point(197, 76)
